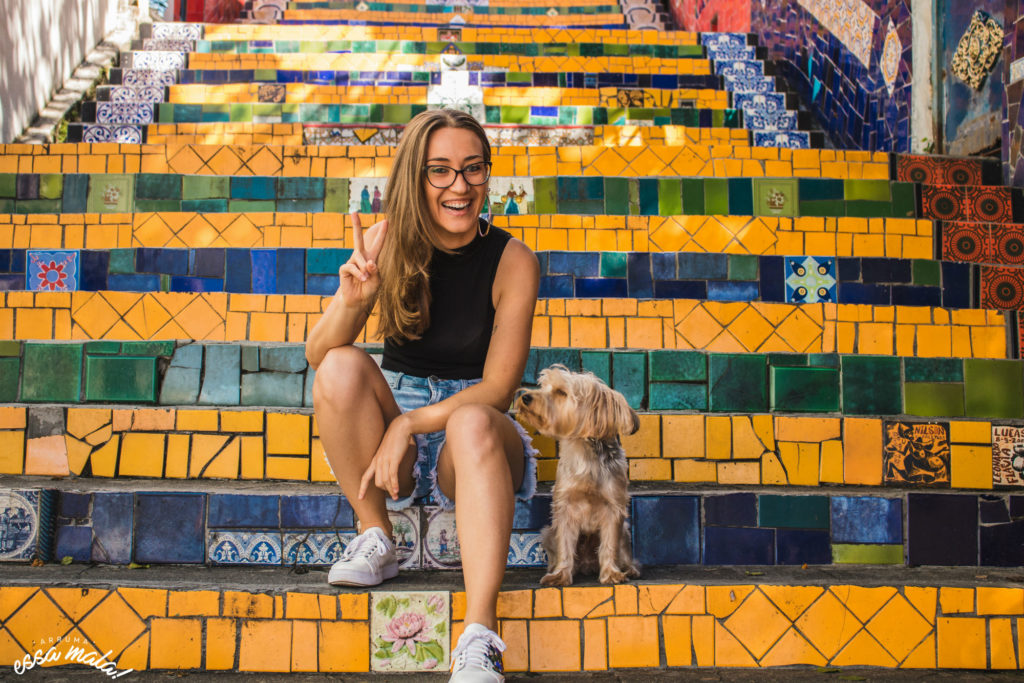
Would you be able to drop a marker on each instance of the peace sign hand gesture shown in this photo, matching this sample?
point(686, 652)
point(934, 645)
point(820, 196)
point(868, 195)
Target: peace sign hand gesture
point(359, 276)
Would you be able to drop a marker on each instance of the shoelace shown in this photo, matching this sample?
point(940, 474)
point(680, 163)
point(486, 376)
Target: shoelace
point(363, 546)
point(473, 649)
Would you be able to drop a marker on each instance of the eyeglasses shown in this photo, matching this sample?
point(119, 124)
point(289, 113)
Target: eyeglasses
point(443, 177)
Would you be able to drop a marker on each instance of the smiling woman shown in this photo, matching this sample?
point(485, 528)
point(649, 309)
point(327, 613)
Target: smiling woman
point(455, 298)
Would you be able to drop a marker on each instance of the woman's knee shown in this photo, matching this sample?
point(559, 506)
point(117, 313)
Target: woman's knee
point(342, 376)
point(472, 431)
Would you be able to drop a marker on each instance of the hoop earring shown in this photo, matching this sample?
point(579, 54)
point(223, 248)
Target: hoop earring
point(488, 231)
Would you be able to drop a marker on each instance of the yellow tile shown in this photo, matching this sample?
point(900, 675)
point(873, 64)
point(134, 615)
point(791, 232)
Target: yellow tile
point(555, 645)
point(970, 432)
point(287, 434)
point(112, 624)
point(178, 450)
point(962, 643)
point(923, 656)
point(579, 602)
point(175, 643)
point(12, 452)
point(515, 604)
point(288, 468)
point(801, 462)
point(862, 451)
point(828, 625)
point(703, 634)
point(147, 602)
point(650, 469)
point(792, 649)
point(193, 603)
point(310, 606)
point(899, 627)
point(14, 418)
point(1001, 650)
point(863, 650)
point(924, 599)
point(678, 643)
point(831, 462)
point(220, 644)
point(142, 455)
point(971, 467)
point(252, 457)
point(547, 602)
point(739, 473)
point(265, 645)
point(241, 421)
point(304, 646)
point(625, 597)
point(646, 441)
point(683, 436)
point(76, 602)
point(724, 600)
point(654, 598)
point(197, 421)
point(729, 651)
point(956, 600)
point(810, 429)
point(47, 456)
point(1002, 601)
point(695, 471)
point(863, 602)
point(517, 652)
point(633, 642)
point(356, 606)
point(757, 624)
point(718, 437)
point(250, 605)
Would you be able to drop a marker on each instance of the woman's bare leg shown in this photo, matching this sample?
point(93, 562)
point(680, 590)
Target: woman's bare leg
point(354, 405)
point(480, 468)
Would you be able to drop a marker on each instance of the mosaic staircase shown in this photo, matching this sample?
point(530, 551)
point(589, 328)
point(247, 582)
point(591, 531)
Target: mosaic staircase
point(823, 346)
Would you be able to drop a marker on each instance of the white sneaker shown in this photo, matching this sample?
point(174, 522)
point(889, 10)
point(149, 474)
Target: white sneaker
point(477, 657)
point(369, 559)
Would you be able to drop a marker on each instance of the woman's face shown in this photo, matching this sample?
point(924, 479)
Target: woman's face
point(456, 209)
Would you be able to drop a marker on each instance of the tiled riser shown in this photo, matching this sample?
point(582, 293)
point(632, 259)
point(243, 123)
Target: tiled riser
point(745, 449)
point(631, 626)
point(563, 10)
point(153, 372)
point(582, 323)
point(734, 529)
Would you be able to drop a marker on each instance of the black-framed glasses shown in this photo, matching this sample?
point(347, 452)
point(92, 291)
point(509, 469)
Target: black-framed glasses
point(441, 177)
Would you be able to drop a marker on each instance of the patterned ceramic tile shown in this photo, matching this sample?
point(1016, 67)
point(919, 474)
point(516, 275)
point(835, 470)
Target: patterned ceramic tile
point(51, 271)
point(1007, 456)
point(851, 21)
point(1008, 244)
point(156, 61)
point(775, 196)
point(931, 170)
point(143, 93)
point(810, 279)
point(1002, 288)
point(366, 195)
point(510, 196)
point(409, 631)
point(351, 135)
point(111, 193)
point(978, 50)
point(916, 454)
point(124, 112)
point(441, 542)
point(244, 547)
point(128, 135)
point(456, 92)
point(966, 242)
point(787, 140)
point(19, 524)
point(168, 44)
point(727, 45)
point(141, 77)
point(173, 31)
point(889, 61)
point(406, 528)
point(311, 548)
point(525, 550)
point(1017, 70)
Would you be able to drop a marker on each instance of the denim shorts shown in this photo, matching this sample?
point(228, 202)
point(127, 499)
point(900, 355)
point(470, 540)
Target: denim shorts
point(413, 392)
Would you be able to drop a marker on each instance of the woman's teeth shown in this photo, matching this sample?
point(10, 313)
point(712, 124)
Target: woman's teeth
point(455, 206)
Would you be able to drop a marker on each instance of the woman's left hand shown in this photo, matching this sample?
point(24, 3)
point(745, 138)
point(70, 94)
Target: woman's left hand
point(383, 469)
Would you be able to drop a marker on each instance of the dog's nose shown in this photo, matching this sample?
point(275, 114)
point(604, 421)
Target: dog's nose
point(526, 398)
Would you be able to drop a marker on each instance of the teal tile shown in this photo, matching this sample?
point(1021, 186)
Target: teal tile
point(873, 190)
point(52, 373)
point(272, 389)
point(108, 348)
point(629, 376)
point(148, 348)
point(927, 273)
point(775, 196)
point(613, 264)
point(742, 267)
point(787, 360)
point(933, 399)
point(10, 369)
point(122, 261)
point(120, 379)
point(793, 512)
point(738, 382)
point(851, 553)
point(805, 390)
point(180, 386)
point(994, 388)
point(678, 396)
point(599, 363)
point(933, 370)
point(157, 205)
point(250, 358)
point(871, 385)
point(823, 360)
point(670, 198)
point(677, 366)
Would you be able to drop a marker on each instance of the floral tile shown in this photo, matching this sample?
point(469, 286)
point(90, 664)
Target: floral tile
point(156, 61)
point(307, 548)
point(19, 524)
point(525, 550)
point(98, 132)
point(776, 196)
point(409, 631)
point(440, 541)
point(810, 280)
point(110, 193)
point(1007, 455)
point(244, 547)
point(51, 271)
point(406, 527)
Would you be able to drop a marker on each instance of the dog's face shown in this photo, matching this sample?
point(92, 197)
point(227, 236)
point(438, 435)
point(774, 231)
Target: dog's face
point(576, 405)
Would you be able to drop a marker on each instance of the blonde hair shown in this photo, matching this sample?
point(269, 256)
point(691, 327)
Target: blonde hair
point(404, 293)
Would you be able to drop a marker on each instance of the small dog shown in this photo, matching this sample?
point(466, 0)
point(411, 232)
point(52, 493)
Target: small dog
point(590, 503)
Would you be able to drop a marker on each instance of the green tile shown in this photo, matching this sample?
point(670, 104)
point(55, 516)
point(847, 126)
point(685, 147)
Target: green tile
point(52, 373)
point(716, 196)
point(775, 196)
point(120, 378)
point(823, 207)
point(670, 197)
point(629, 376)
point(9, 371)
point(252, 206)
point(51, 186)
point(678, 396)
point(513, 114)
point(793, 512)
point(38, 206)
point(693, 197)
point(613, 264)
point(8, 184)
point(787, 360)
point(933, 370)
point(738, 382)
point(616, 196)
point(927, 272)
point(148, 348)
point(10, 348)
point(868, 209)
point(742, 267)
point(110, 193)
point(994, 388)
point(904, 200)
point(108, 348)
point(599, 363)
point(805, 390)
point(157, 205)
point(336, 195)
point(871, 385)
point(933, 399)
point(206, 187)
point(872, 190)
point(121, 261)
point(850, 553)
point(823, 360)
point(677, 366)
point(545, 196)
point(158, 186)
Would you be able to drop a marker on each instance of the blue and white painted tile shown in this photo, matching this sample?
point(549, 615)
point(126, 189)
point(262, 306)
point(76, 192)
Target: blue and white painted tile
point(410, 631)
point(309, 548)
point(525, 550)
point(168, 45)
point(788, 139)
point(770, 121)
point(727, 46)
point(244, 547)
point(51, 271)
point(142, 93)
point(124, 112)
point(141, 77)
point(19, 524)
point(174, 31)
point(810, 280)
point(157, 61)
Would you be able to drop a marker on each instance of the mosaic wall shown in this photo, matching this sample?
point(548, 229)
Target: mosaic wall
point(711, 15)
point(851, 62)
point(1013, 76)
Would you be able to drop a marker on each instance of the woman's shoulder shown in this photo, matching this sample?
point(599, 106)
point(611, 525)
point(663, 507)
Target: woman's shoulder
point(518, 259)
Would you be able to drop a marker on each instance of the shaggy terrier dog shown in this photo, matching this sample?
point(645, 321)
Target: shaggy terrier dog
point(590, 503)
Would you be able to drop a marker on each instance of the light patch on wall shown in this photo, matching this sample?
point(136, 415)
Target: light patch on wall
point(852, 22)
point(890, 60)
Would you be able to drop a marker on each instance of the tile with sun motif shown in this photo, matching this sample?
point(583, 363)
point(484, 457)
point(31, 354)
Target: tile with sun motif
point(810, 279)
point(51, 271)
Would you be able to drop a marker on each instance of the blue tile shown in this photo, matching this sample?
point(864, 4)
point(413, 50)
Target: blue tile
point(76, 192)
point(326, 261)
point(993, 510)
point(773, 281)
point(702, 266)
point(291, 268)
point(316, 512)
point(74, 505)
point(238, 271)
point(92, 270)
point(261, 547)
point(112, 526)
point(532, 514)
point(802, 546)
point(866, 519)
point(322, 285)
point(196, 284)
point(74, 542)
point(680, 289)
point(907, 295)
point(1002, 545)
point(162, 261)
point(849, 269)
point(207, 263)
point(170, 528)
point(942, 529)
point(638, 275)
point(666, 529)
point(580, 264)
point(732, 291)
point(133, 283)
point(733, 509)
point(725, 545)
point(885, 270)
point(252, 187)
point(663, 266)
point(300, 188)
point(956, 285)
point(222, 378)
point(857, 293)
point(587, 287)
point(264, 271)
point(243, 511)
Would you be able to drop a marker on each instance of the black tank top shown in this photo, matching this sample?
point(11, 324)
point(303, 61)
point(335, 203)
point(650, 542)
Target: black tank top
point(461, 313)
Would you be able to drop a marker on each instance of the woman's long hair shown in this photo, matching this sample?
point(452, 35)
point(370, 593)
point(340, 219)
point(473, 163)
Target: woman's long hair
point(404, 293)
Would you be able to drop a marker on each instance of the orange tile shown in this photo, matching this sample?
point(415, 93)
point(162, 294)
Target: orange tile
point(579, 602)
point(547, 602)
point(862, 451)
point(250, 605)
point(193, 603)
point(175, 643)
point(633, 642)
point(555, 645)
point(265, 645)
point(962, 643)
point(220, 644)
point(517, 654)
point(595, 645)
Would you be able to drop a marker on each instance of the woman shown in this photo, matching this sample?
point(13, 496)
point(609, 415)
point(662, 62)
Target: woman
point(456, 300)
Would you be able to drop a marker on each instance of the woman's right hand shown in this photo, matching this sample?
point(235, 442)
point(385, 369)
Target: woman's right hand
point(359, 278)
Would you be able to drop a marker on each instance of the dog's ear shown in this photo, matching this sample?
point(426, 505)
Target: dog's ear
point(621, 419)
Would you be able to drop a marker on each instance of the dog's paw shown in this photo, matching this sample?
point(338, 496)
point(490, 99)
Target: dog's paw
point(633, 571)
point(611, 576)
point(562, 578)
